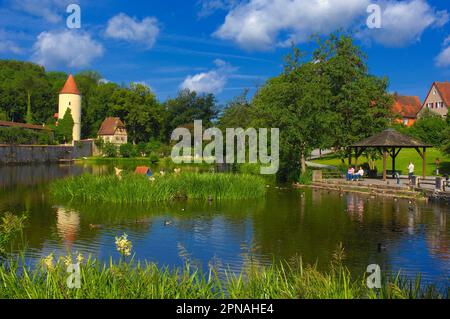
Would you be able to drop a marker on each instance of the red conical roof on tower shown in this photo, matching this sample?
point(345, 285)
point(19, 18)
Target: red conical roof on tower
point(70, 87)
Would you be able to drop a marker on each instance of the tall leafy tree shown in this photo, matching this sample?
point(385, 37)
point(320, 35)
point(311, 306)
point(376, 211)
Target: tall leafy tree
point(296, 102)
point(64, 129)
point(237, 113)
point(430, 128)
point(187, 107)
point(359, 101)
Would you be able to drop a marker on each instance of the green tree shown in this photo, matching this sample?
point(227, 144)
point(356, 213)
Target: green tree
point(430, 128)
point(109, 150)
point(128, 150)
point(187, 107)
point(64, 129)
point(359, 101)
point(297, 102)
point(237, 113)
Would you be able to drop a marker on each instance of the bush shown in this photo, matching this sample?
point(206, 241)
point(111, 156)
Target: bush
point(128, 150)
point(306, 178)
point(430, 129)
point(100, 143)
point(152, 146)
point(18, 135)
point(109, 150)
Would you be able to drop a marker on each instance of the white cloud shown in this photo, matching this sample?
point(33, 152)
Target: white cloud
point(447, 40)
point(50, 10)
point(69, 48)
point(7, 45)
point(404, 22)
point(213, 81)
point(257, 24)
point(264, 24)
point(129, 29)
point(208, 7)
point(443, 59)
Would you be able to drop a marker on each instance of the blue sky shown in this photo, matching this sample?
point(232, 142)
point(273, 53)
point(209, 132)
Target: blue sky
point(223, 46)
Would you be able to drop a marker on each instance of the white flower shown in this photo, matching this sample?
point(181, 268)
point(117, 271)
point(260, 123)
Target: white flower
point(124, 245)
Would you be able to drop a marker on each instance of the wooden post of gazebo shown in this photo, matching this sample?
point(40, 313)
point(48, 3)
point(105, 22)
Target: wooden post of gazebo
point(392, 142)
point(424, 163)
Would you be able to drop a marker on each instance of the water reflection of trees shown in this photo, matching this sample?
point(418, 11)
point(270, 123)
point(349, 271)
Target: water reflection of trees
point(312, 224)
point(28, 175)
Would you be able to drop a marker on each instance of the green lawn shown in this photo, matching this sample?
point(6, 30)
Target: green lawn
point(402, 161)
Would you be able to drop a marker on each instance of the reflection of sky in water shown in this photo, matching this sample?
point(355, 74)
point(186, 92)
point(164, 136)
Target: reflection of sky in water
point(413, 255)
point(285, 224)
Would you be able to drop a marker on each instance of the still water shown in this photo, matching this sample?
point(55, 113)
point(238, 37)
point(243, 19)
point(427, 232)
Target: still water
point(415, 237)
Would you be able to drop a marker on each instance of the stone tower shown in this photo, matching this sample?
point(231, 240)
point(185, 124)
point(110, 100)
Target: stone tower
point(70, 98)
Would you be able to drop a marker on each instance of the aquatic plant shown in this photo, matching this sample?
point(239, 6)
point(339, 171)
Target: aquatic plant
point(133, 280)
point(10, 226)
point(133, 188)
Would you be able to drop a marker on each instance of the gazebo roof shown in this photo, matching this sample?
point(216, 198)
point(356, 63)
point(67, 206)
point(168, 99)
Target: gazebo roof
point(390, 138)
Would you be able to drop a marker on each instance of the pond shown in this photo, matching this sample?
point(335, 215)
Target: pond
point(414, 236)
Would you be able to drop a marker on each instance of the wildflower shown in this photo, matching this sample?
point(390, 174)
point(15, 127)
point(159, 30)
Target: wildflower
point(124, 245)
point(80, 258)
point(47, 262)
point(67, 260)
point(177, 171)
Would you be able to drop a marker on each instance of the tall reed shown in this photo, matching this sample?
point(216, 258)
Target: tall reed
point(131, 280)
point(140, 189)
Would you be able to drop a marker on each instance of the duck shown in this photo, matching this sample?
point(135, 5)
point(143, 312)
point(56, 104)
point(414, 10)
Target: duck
point(168, 222)
point(94, 226)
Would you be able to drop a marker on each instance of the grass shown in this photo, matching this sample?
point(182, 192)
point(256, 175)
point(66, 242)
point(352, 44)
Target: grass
point(140, 189)
point(130, 280)
point(402, 161)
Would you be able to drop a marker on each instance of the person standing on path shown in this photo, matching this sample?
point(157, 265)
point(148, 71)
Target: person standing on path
point(437, 162)
point(410, 171)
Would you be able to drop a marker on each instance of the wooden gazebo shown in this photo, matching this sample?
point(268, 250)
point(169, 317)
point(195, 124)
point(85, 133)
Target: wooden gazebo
point(391, 142)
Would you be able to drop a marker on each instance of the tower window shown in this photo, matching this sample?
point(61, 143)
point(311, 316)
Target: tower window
point(70, 103)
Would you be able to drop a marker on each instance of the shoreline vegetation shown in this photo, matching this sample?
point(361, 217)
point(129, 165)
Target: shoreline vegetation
point(131, 188)
point(137, 280)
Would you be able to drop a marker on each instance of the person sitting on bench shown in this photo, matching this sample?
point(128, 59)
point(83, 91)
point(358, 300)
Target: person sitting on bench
point(359, 174)
point(350, 173)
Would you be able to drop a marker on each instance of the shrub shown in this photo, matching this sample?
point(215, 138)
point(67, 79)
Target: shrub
point(109, 150)
point(18, 135)
point(152, 146)
point(128, 150)
point(306, 178)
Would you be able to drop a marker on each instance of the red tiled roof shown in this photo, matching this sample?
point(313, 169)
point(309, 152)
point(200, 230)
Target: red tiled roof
point(70, 87)
point(444, 91)
point(110, 125)
point(406, 106)
point(142, 170)
point(24, 125)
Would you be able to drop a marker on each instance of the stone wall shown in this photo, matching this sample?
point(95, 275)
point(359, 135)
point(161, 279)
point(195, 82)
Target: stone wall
point(26, 154)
